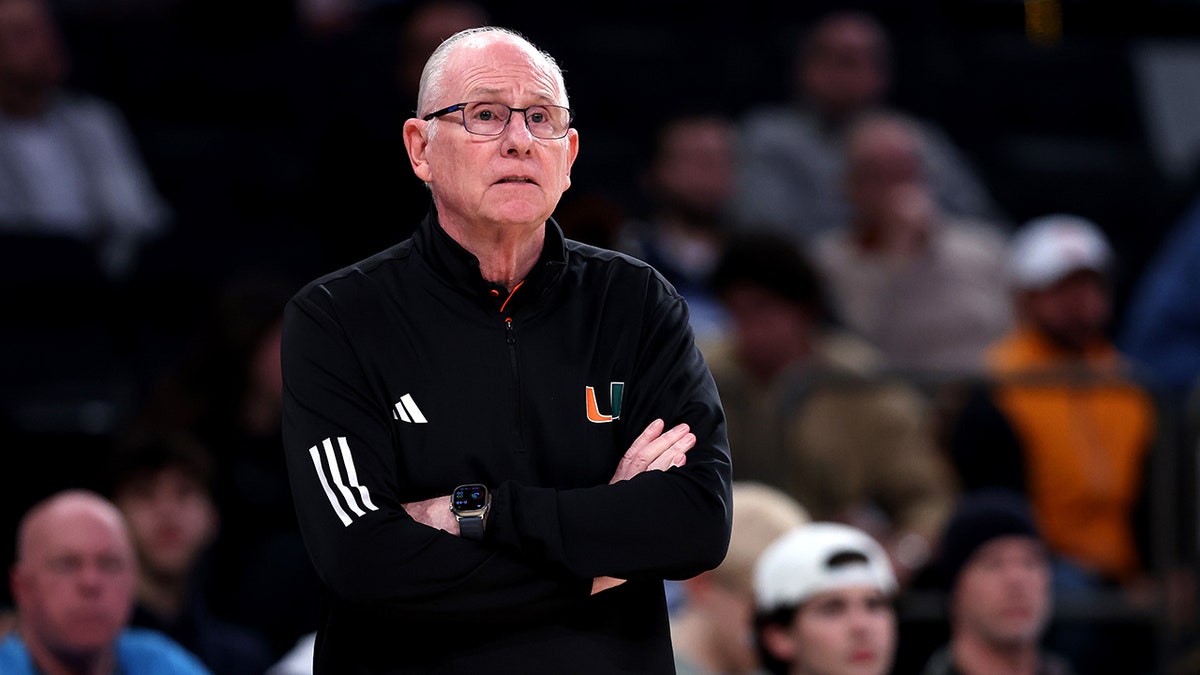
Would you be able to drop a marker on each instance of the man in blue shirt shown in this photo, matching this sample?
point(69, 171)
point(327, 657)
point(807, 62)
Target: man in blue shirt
point(73, 583)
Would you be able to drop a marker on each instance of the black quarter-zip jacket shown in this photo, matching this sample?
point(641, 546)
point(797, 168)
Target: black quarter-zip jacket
point(407, 374)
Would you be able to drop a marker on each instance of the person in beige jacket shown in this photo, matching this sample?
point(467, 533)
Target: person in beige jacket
point(810, 413)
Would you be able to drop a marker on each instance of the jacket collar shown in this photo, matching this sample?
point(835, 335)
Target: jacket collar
point(460, 268)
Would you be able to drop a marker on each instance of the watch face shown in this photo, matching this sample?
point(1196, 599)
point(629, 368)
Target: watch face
point(469, 498)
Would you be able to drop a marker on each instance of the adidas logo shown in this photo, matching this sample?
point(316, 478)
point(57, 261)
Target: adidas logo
point(406, 410)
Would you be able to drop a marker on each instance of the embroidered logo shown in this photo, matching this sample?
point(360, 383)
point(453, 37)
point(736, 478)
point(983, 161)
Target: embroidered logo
point(615, 389)
point(406, 410)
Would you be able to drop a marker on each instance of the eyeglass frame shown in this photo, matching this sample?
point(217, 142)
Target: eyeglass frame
point(462, 108)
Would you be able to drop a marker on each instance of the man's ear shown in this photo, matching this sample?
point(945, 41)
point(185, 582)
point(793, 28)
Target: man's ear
point(572, 153)
point(779, 642)
point(416, 143)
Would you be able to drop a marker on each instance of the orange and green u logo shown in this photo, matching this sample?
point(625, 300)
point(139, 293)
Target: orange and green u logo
point(593, 409)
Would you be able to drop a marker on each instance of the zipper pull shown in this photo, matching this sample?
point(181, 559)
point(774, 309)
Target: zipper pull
point(508, 330)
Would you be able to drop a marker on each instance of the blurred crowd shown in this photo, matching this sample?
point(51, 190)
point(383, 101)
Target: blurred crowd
point(905, 310)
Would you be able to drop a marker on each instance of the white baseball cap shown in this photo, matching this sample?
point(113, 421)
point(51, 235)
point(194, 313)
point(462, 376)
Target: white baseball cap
point(1049, 248)
point(812, 559)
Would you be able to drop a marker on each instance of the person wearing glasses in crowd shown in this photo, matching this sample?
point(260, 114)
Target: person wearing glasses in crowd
point(500, 441)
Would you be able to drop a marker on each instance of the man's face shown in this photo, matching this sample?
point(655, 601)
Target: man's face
point(172, 520)
point(694, 170)
point(31, 51)
point(846, 71)
point(850, 631)
point(483, 181)
point(770, 331)
point(74, 584)
point(1003, 593)
point(1073, 312)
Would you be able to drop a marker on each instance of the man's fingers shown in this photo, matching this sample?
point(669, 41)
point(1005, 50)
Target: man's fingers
point(675, 455)
point(654, 450)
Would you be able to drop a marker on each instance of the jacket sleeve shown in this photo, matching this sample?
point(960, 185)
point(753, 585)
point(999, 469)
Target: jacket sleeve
point(364, 546)
point(670, 524)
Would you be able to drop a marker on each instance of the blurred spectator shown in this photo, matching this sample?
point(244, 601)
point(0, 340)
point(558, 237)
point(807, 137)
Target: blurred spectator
point(995, 571)
point(1061, 421)
point(823, 602)
point(1161, 328)
point(163, 486)
point(363, 188)
point(688, 184)
point(69, 165)
point(73, 582)
point(227, 392)
point(792, 156)
point(713, 632)
point(808, 414)
point(924, 286)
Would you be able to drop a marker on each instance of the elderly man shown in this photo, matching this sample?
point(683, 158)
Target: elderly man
point(500, 441)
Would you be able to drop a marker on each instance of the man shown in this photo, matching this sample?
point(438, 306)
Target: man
point(68, 163)
point(823, 595)
point(792, 156)
point(713, 631)
point(924, 286)
point(73, 583)
point(996, 573)
point(809, 412)
point(1061, 421)
point(553, 388)
point(163, 487)
point(688, 184)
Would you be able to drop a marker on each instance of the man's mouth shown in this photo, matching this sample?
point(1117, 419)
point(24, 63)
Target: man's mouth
point(516, 179)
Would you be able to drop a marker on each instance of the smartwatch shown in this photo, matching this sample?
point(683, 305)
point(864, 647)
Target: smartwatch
point(469, 504)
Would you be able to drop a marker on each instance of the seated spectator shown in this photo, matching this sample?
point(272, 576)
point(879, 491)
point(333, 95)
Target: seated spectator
point(688, 185)
point(1059, 420)
point(808, 413)
point(924, 286)
point(68, 162)
point(823, 602)
point(73, 584)
point(227, 392)
point(995, 571)
point(163, 486)
point(713, 632)
point(792, 156)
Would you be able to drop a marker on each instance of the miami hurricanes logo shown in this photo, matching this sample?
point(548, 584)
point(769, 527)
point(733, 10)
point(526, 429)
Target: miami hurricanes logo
point(614, 395)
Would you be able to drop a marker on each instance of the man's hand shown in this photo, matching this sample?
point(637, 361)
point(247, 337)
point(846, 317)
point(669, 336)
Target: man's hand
point(604, 583)
point(655, 450)
point(434, 513)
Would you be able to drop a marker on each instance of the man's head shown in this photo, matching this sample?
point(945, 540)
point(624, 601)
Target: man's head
point(73, 579)
point(691, 172)
point(823, 597)
point(513, 178)
point(996, 571)
point(1060, 266)
point(163, 487)
point(843, 65)
point(724, 596)
point(33, 60)
point(885, 178)
point(774, 297)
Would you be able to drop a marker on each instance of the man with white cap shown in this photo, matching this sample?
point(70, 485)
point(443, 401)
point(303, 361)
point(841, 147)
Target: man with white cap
point(823, 601)
point(1062, 420)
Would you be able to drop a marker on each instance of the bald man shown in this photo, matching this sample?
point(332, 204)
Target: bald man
point(73, 582)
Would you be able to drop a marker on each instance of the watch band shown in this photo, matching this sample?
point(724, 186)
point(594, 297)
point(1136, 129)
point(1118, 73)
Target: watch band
point(471, 527)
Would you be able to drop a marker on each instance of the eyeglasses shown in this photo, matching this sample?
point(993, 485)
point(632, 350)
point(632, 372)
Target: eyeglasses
point(486, 118)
